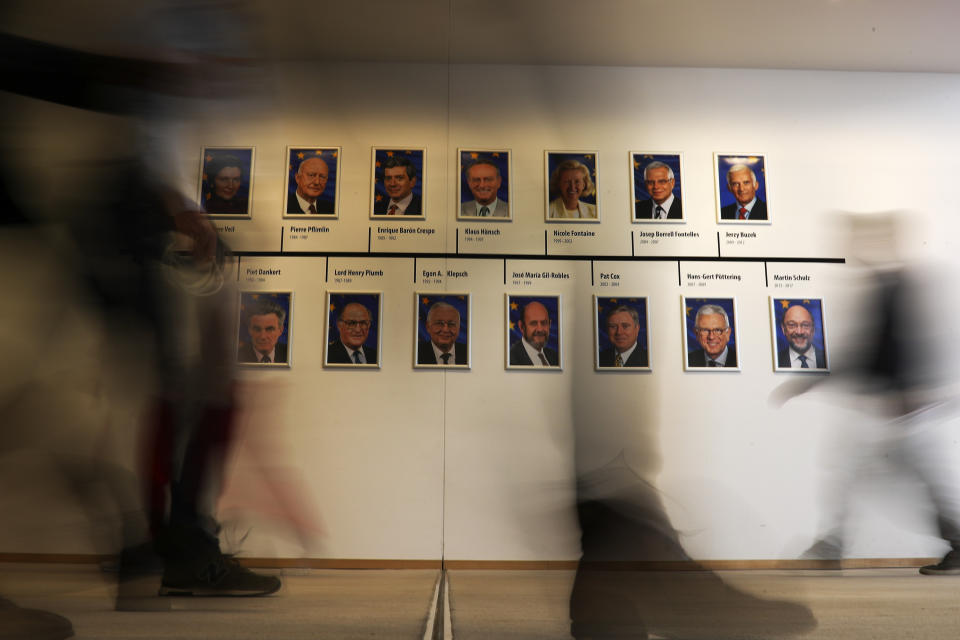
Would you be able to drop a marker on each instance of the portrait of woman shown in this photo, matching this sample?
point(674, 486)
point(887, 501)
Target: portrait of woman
point(225, 183)
point(572, 190)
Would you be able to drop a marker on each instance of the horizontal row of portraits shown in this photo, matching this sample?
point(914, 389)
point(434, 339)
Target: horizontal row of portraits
point(533, 332)
point(398, 184)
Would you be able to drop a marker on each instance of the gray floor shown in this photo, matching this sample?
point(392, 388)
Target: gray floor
point(866, 603)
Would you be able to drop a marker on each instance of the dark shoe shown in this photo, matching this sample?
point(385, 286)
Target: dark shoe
point(222, 576)
point(31, 624)
point(949, 566)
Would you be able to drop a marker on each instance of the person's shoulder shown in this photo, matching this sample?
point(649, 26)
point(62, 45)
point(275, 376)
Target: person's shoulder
point(642, 208)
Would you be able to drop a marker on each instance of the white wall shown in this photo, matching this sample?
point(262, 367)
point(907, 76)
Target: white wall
point(404, 463)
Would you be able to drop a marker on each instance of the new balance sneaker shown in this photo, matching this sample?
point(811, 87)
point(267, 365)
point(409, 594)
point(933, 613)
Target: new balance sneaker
point(221, 576)
point(949, 566)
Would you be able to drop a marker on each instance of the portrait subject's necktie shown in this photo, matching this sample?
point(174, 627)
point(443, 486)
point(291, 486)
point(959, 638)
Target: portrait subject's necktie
point(357, 357)
point(393, 210)
point(803, 362)
point(659, 213)
point(484, 211)
point(445, 357)
point(619, 360)
point(714, 363)
point(543, 359)
point(265, 360)
point(743, 213)
point(313, 208)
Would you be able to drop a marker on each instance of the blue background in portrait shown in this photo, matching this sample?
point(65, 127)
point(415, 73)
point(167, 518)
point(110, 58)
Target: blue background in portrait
point(458, 302)
point(641, 160)
point(245, 156)
point(589, 159)
point(723, 165)
point(500, 158)
point(370, 300)
point(813, 305)
point(606, 305)
point(381, 155)
point(691, 306)
point(550, 302)
point(247, 300)
point(330, 156)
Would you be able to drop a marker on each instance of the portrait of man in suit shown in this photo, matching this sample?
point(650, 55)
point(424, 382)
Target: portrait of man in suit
point(795, 339)
point(656, 196)
point(534, 325)
point(311, 188)
point(446, 346)
point(743, 184)
point(397, 188)
point(483, 177)
point(713, 333)
point(262, 327)
point(354, 324)
point(623, 326)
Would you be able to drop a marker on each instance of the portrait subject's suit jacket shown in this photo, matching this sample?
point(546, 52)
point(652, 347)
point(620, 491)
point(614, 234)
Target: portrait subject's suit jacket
point(323, 206)
point(518, 355)
point(783, 359)
point(469, 209)
point(608, 358)
point(698, 358)
point(759, 211)
point(425, 353)
point(246, 353)
point(337, 354)
point(415, 208)
point(644, 210)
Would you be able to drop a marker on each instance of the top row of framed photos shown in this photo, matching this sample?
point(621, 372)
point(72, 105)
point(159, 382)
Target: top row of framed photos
point(398, 185)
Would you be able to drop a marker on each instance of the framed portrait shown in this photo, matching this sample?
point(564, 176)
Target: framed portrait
point(656, 181)
point(483, 187)
point(226, 181)
point(442, 330)
point(533, 332)
point(799, 335)
point(264, 334)
point(353, 329)
point(313, 182)
point(710, 334)
point(398, 183)
point(572, 193)
point(621, 330)
point(740, 180)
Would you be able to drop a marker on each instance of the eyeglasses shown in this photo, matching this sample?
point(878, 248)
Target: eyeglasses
point(716, 333)
point(351, 324)
point(449, 324)
point(793, 326)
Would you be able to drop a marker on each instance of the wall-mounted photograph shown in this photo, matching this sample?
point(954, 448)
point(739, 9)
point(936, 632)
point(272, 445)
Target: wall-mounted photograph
point(533, 336)
point(483, 189)
point(265, 328)
point(656, 186)
point(226, 181)
point(353, 329)
point(398, 183)
point(571, 186)
point(442, 330)
point(621, 333)
point(710, 334)
point(313, 181)
point(740, 180)
point(799, 335)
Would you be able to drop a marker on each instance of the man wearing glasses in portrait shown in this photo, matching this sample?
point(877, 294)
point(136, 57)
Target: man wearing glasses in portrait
point(798, 328)
point(712, 328)
point(353, 325)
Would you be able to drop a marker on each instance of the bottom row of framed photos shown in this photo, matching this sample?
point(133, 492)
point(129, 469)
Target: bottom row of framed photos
point(533, 332)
